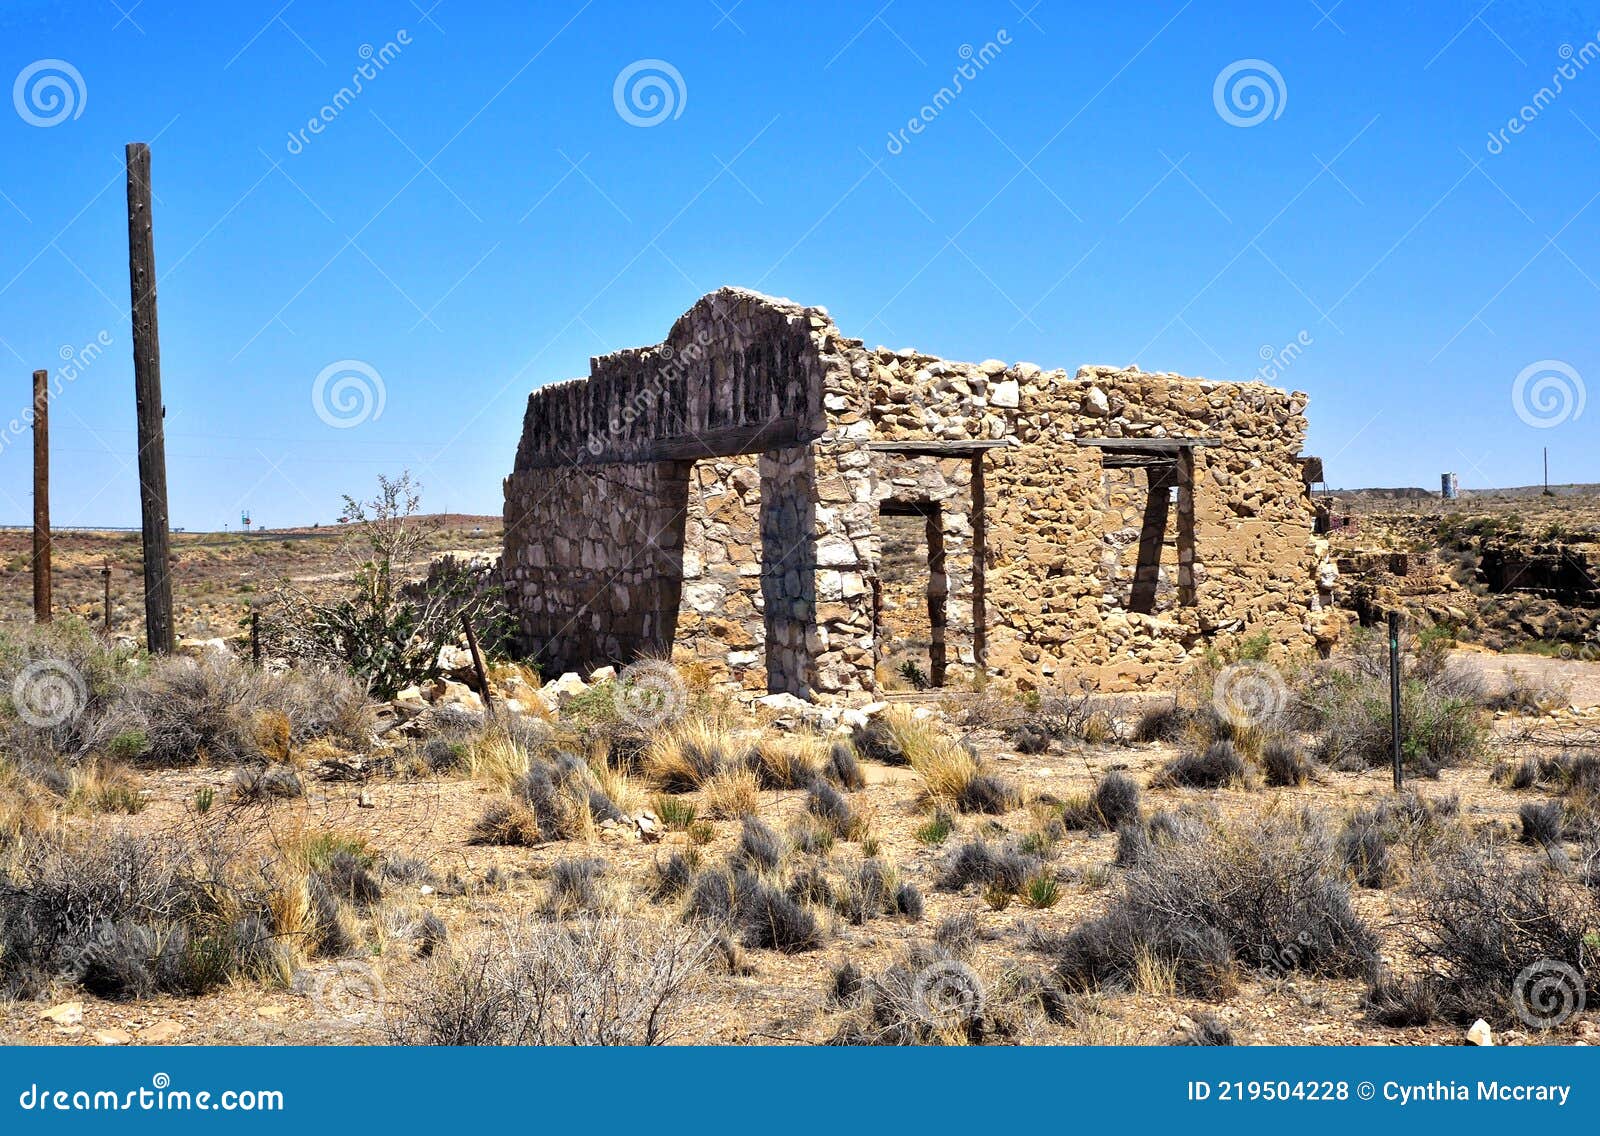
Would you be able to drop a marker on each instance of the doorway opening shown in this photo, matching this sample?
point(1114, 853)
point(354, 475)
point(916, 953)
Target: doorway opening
point(911, 593)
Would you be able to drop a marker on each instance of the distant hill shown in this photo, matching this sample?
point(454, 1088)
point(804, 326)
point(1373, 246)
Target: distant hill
point(1588, 489)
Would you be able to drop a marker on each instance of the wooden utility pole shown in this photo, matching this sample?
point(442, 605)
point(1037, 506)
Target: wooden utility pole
point(41, 496)
point(158, 624)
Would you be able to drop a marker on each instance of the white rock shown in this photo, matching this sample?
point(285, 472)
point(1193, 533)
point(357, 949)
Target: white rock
point(1006, 394)
point(603, 674)
point(1480, 1033)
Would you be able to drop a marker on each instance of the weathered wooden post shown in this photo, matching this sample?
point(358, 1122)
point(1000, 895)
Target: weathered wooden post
point(477, 664)
point(105, 575)
point(158, 624)
point(41, 496)
point(1394, 699)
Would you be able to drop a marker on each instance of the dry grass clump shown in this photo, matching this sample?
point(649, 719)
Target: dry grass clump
point(1112, 803)
point(266, 783)
point(1285, 764)
point(561, 799)
point(932, 994)
point(898, 737)
point(689, 753)
point(1218, 766)
point(1407, 819)
point(979, 863)
point(764, 915)
point(954, 776)
point(606, 980)
point(787, 762)
point(1266, 895)
point(1480, 924)
point(732, 794)
point(580, 885)
point(1532, 696)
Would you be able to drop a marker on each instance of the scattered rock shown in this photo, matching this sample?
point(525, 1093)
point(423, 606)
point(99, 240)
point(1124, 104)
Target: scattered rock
point(1480, 1033)
point(64, 1014)
point(365, 801)
point(160, 1032)
point(112, 1036)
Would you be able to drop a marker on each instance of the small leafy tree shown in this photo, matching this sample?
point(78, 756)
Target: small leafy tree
point(386, 633)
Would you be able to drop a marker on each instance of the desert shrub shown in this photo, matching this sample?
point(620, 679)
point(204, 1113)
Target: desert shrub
point(388, 635)
point(832, 811)
point(129, 916)
point(1542, 823)
point(1285, 763)
point(1112, 803)
point(670, 878)
point(1346, 703)
point(896, 737)
point(978, 862)
point(784, 763)
point(577, 885)
point(688, 753)
point(957, 934)
point(763, 914)
point(1207, 1029)
point(954, 776)
point(1267, 895)
point(871, 891)
point(1526, 694)
point(1217, 766)
point(844, 768)
point(1136, 842)
point(760, 849)
point(1399, 1002)
point(927, 996)
point(1364, 851)
point(265, 783)
point(1481, 923)
point(1169, 723)
point(560, 799)
point(908, 901)
point(733, 793)
point(605, 980)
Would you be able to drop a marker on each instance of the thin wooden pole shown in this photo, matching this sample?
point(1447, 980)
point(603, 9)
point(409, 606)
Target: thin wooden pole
point(41, 496)
point(255, 638)
point(158, 625)
point(477, 664)
point(1394, 698)
point(980, 569)
point(105, 575)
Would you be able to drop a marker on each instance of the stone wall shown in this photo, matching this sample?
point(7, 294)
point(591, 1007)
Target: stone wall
point(745, 524)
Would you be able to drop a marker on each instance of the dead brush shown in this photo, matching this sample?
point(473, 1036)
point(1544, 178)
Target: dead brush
point(786, 762)
point(691, 752)
point(897, 737)
point(732, 794)
point(954, 776)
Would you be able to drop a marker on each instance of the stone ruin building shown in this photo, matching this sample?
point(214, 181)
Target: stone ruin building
point(799, 513)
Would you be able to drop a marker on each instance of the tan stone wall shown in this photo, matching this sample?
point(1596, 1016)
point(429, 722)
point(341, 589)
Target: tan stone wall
point(761, 561)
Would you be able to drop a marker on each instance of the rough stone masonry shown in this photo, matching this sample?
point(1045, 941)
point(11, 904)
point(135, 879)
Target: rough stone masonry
point(722, 497)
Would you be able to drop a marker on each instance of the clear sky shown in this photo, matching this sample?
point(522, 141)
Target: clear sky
point(1188, 186)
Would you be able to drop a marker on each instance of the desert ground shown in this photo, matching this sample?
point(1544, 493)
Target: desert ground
point(205, 853)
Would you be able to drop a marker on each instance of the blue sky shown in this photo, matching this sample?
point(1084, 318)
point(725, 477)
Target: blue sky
point(483, 217)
